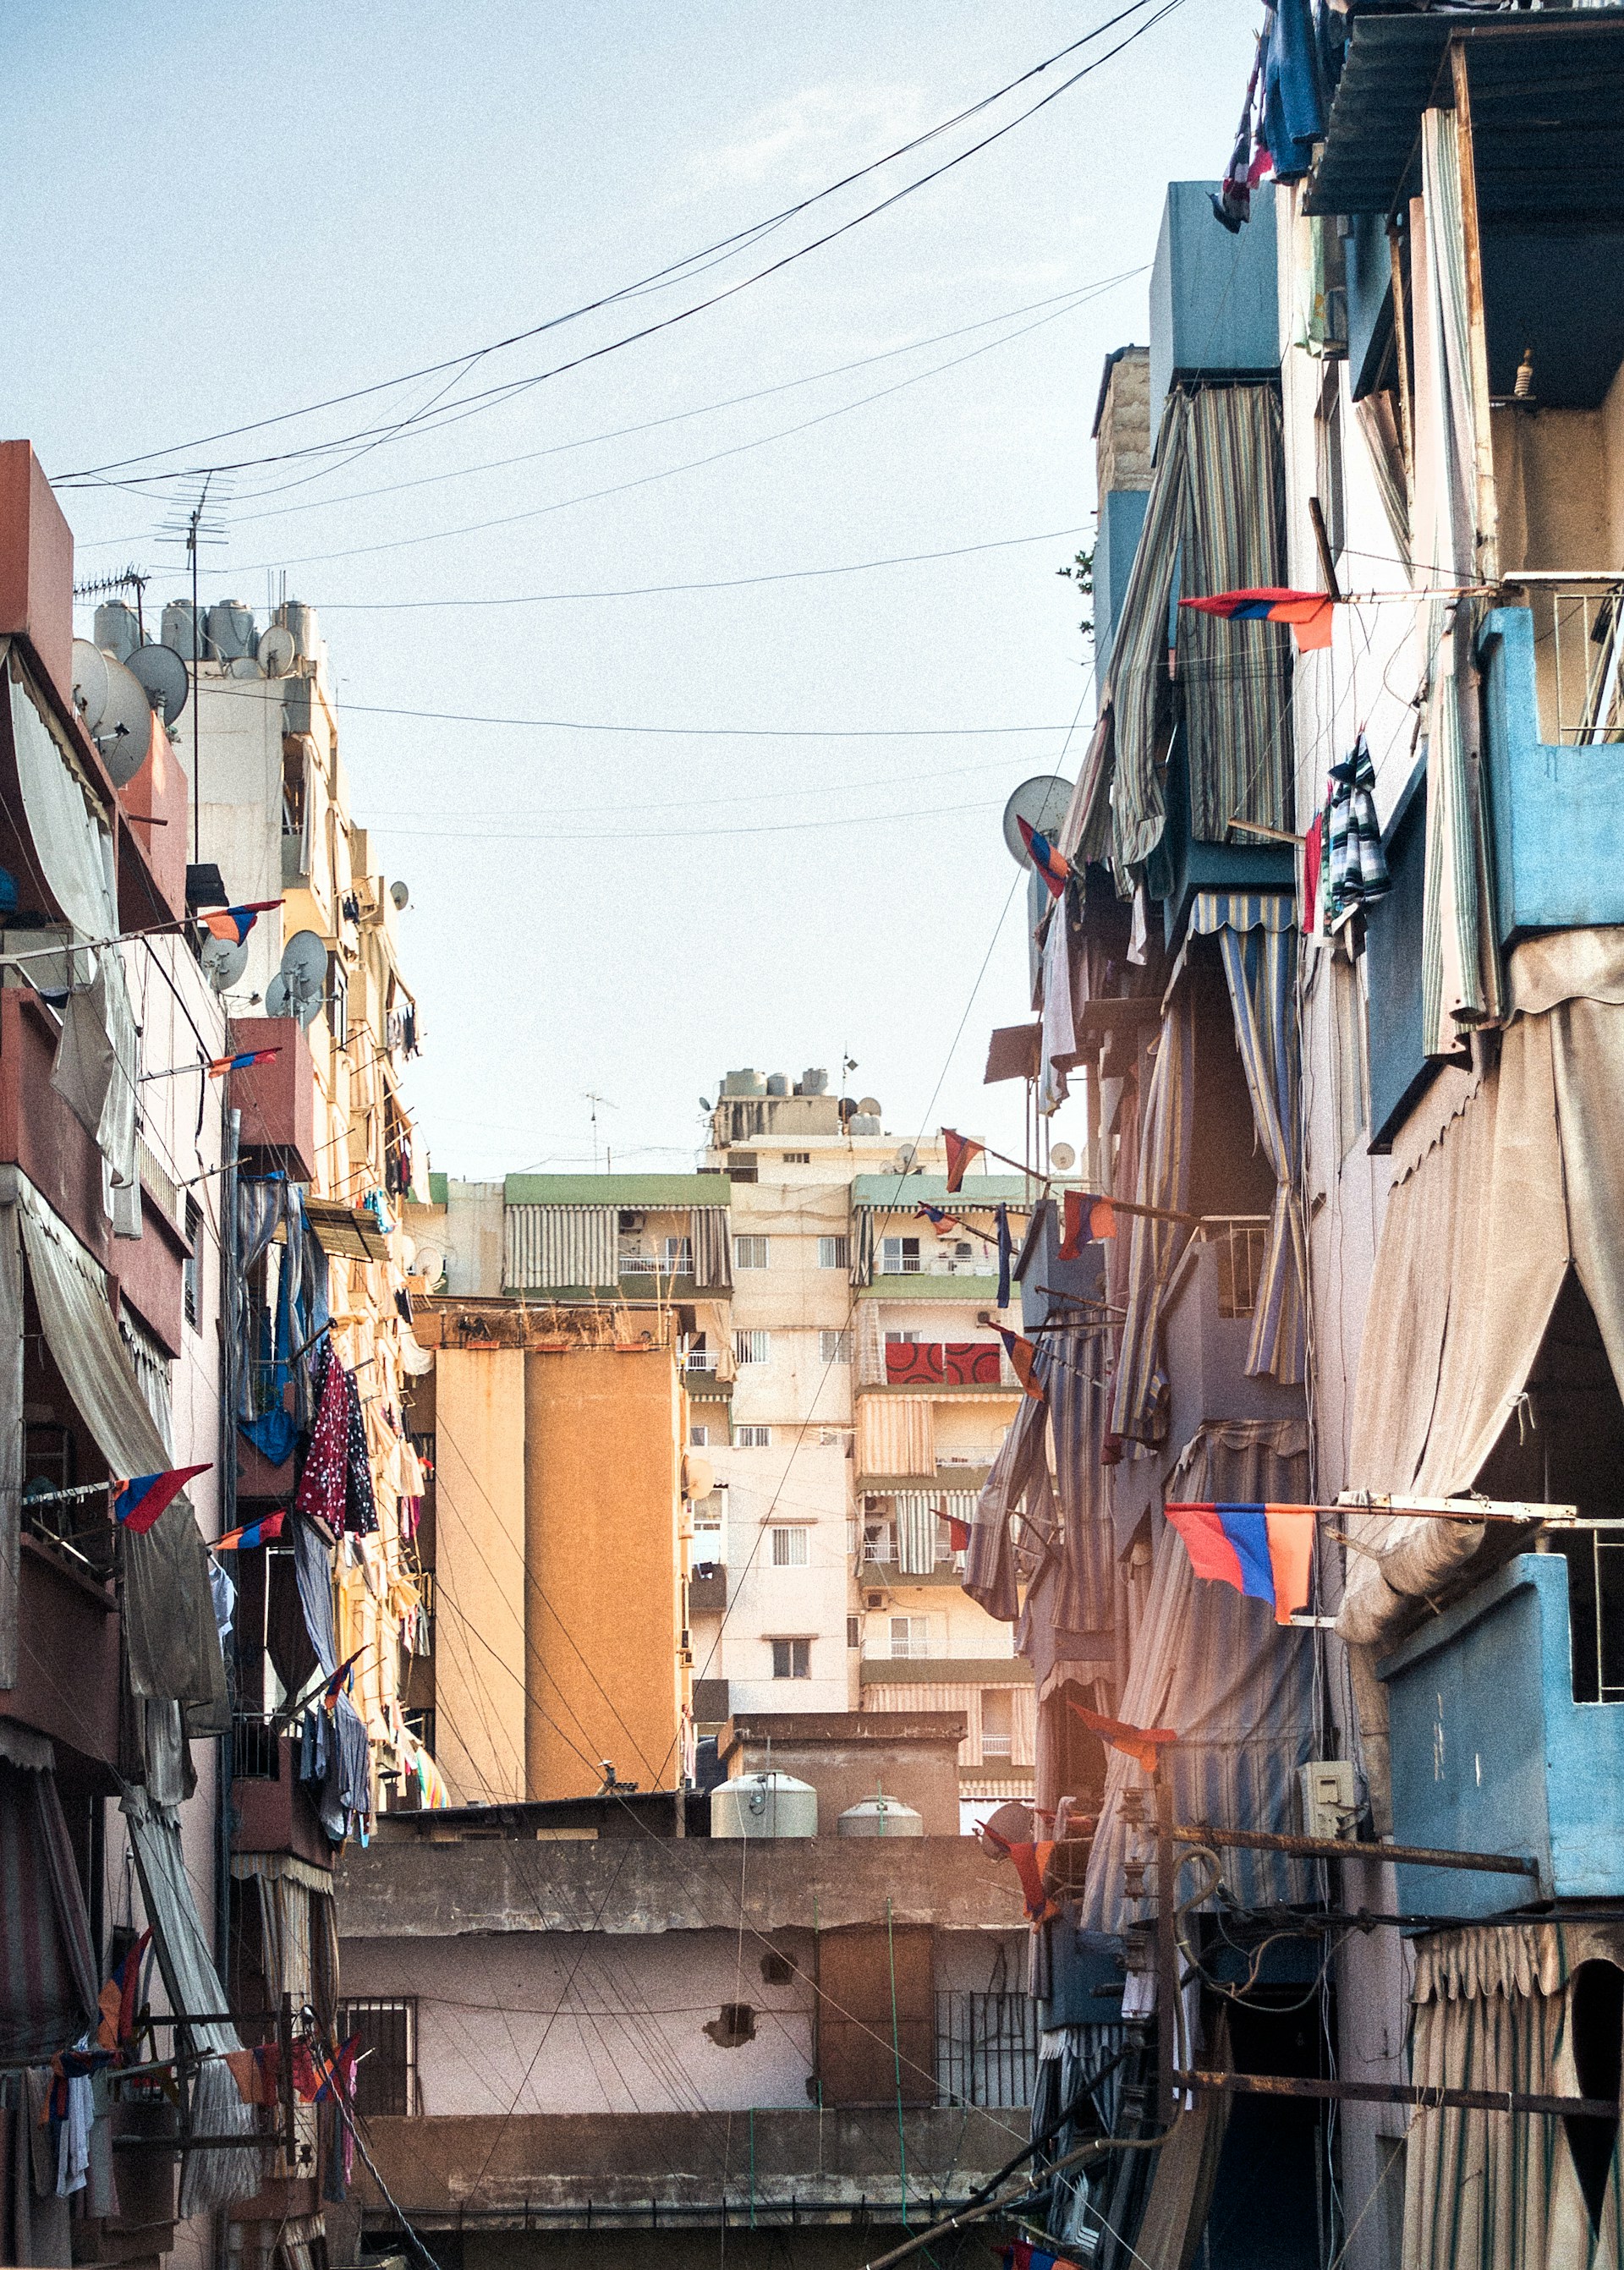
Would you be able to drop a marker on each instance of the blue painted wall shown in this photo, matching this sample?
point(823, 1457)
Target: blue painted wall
point(1491, 1753)
point(1368, 266)
point(1399, 1068)
point(1213, 297)
point(1116, 540)
point(1558, 813)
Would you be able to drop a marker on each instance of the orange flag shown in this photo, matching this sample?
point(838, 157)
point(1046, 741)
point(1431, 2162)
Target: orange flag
point(960, 1151)
point(1142, 1744)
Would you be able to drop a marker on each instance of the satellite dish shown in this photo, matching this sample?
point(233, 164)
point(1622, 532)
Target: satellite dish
point(90, 683)
point(1041, 803)
point(304, 962)
point(278, 1000)
point(431, 1264)
point(1062, 1158)
point(906, 1152)
point(123, 737)
point(243, 666)
point(160, 670)
point(699, 1477)
point(277, 651)
point(705, 1104)
point(401, 896)
point(224, 960)
point(871, 1104)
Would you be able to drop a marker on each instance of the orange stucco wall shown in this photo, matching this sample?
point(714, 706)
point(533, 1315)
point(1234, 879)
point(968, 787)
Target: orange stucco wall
point(602, 1449)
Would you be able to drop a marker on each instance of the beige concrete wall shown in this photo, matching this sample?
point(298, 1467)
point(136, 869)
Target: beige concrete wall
point(603, 1451)
point(481, 1665)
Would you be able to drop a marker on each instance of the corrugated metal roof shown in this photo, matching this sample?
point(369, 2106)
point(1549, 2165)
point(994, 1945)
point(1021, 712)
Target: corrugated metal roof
point(906, 1192)
point(1548, 108)
point(674, 1190)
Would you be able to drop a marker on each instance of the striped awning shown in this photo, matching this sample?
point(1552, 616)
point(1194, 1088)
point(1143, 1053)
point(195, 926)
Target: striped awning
point(916, 1512)
point(546, 1247)
point(1210, 911)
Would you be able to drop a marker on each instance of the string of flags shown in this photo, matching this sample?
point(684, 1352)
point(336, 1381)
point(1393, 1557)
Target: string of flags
point(1265, 1552)
point(252, 1532)
point(140, 1502)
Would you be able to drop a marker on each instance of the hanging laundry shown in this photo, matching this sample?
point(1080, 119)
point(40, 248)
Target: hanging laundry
point(1294, 108)
point(1031, 1865)
point(1143, 1744)
point(322, 1483)
point(1006, 1250)
point(1231, 201)
point(1265, 1551)
point(360, 1505)
point(1308, 612)
point(1310, 864)
point(140, 1502)
point(1356, 868)
point(120, 1999)
point(961, 1152)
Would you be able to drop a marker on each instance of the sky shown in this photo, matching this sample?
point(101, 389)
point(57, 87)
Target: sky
point(219, 216)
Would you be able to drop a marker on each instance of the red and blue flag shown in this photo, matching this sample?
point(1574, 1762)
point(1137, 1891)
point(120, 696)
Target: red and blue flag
point(961, 1150)
point(139, 1502)
point(233, 924)
point(1051, 862)
point(1022, 1356)
point(252, 1533)
point(1265, 1551)
point(220, 1066)
point(120, 1999)
point(1084, 1217)
point(1308, 612)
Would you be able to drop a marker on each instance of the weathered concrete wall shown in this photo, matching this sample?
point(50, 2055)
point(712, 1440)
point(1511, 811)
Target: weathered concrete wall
point(437, 2167)
point(490, 1886)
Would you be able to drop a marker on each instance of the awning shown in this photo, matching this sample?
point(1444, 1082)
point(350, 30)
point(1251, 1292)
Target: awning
point(1012, 1053)
point(546, 1248)
point(348, 1232)
point(1525, 1182)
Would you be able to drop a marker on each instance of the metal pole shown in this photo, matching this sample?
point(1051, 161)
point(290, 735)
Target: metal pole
point(1332, 1847)
point(1166, 1954)
point(1392, 2092)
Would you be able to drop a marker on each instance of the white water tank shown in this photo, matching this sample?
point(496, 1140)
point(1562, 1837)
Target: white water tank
point(880, 1815)
point(117, 628)
point(764, 1805)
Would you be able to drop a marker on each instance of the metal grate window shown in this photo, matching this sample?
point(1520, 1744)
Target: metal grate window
point(1594, 1552)
point(790, 1546)
point(1240, 1247)
point(191, 1268)
point(834, 1253)
point(751, 1252)
point(834, 1346)
point(752, 1347)
point(386, 2078)
point(986, 2049)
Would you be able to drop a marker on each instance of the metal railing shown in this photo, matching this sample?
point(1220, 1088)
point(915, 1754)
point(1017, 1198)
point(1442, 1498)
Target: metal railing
point(935, 1264)
point(1594, 1552)
point(1578, 657)
point(656, 1264)
point(1239, 1242)
point(700, 1359)
point(256, 1749)
point(986, 2049)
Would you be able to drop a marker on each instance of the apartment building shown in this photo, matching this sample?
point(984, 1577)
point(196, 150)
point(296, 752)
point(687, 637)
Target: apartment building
point(846, 1394)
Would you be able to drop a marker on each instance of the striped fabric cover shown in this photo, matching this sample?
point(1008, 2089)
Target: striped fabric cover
point(896, 1434)
point(547, 1247)
point(917, 1512)
point(1072, 1365)
point(1154, 1247)
point(1135, 681)
point(1261, 967)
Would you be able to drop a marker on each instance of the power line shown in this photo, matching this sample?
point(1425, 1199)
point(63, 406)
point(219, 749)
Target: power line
point(465, 361)
point(708, 732)
point(602, 837)
point(717, 583)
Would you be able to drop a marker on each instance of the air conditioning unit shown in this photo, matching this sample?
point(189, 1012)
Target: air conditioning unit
point(632, 1219)
point(873, 1599)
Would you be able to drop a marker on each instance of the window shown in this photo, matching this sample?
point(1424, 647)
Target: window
point(1241, 1247)
point(752, 1347)
point(899, 1257)
point(753, 1438)
point(337, 1001)
point(997, 1723)
point(790, 1547)
point(741, 1167)
point(1328, 457)
point(698, 1437)
point(791, 1658)
point(1347, 1062)
point(854, 1631)
point(678, 1258)
point(386, 2076)
point(191, 1273)
point(909, 1336)
point(834, 1253)
point(911, 1638)
point(750, 1252)
point(708, 1512)
point(835, 1347)
point(798, 1157)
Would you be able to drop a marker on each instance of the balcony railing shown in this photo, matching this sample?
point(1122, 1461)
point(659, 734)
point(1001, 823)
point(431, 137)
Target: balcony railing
point(1578, 659)
point(986, 2049)
point(935, 1264)
point(699, 1360)
point(1239, 1242)
point(656, 1264)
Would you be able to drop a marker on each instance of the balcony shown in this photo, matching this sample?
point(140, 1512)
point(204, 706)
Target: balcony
point(1212, 316)
point(1491, 1753)
point(707, 1588)
point(1552, 725)
point(1209, 1329)
point(277, 1099)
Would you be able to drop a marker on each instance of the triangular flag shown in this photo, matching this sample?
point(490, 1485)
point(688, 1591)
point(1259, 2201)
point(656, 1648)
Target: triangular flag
point(1022, 1355)
point(138, 1502)
point(1142, 1744)
point(960, 1151)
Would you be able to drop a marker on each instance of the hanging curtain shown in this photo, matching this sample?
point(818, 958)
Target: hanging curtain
point(210, 2179)
point(1135, 694)
point(862, 1246)
point(896, 1434)
point(989, 1571)
point(1071, 1366)
point(1155, 1246)
point(1460, 966)
point(916, 1531)
point(170, 1635)
point(712, 1248)
point(547, 1248)
point(1237, 1687)
point(47, 1971)
point(1258, 943)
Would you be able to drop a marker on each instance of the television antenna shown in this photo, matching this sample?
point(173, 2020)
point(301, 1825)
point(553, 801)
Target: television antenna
point(195, 529)
point(596, 1101)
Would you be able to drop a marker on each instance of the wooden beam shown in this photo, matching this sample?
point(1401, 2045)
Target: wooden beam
point(1392, 2092)
point(1487, 561)
point(1333, 1848)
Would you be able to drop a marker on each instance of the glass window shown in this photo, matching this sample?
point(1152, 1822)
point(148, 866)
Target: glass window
point(798, 1157)
point(791, 1658)
point(834, 1253)
point(997, 1722)
point(698, 1437)
point(753, 1438)
point(911, 1638)
point(854, 1631)
point(835, 1347)
point(752, 1347)
point(899, 1257)
point(790, 1547)
point(750, 1252)
point(192, 1271)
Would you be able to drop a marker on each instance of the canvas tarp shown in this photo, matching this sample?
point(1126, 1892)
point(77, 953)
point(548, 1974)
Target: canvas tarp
point(546, 1248)
point(896, 1434)
point(47, 1978)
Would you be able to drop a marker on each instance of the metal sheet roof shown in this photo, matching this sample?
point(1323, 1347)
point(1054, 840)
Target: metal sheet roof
point(1547, 103)
point(906, 1192)
point(656, 1191)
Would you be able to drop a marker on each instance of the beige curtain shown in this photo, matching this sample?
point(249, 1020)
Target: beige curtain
point(896, 1434)
point(1493, 2190)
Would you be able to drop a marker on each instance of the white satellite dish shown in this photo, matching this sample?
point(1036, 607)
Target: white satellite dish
point(161, 673)
point(90, 683)
point(870, 1104)
point(243, 666)
point(1041, 803)
point(1062, 1158)
point(906, 1153)
point(401, 896)
point(699, 1477)
point(304, 962)
point(224, 961)
point(277, 651)
point(278, 1000)
point(123, 738)
point(431, 1264)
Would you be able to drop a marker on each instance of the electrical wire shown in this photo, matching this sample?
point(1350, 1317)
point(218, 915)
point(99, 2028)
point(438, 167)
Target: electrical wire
point(671, 273)
point(708, 732)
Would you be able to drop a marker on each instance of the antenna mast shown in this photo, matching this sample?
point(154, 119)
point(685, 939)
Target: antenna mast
point(595, 1101)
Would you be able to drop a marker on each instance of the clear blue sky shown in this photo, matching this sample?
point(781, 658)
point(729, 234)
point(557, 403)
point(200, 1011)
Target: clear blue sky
point(220, 214)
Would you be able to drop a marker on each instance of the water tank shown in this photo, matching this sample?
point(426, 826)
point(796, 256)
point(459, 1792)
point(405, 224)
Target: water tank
point(880, 1816)
point(814, 1081)
point(744, 1083)
point(118, 630)
point(865, 1122)
point(764, 1805)
point(300, 622)
point(230, 626)
point(777, 1083)
point(177, 629)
